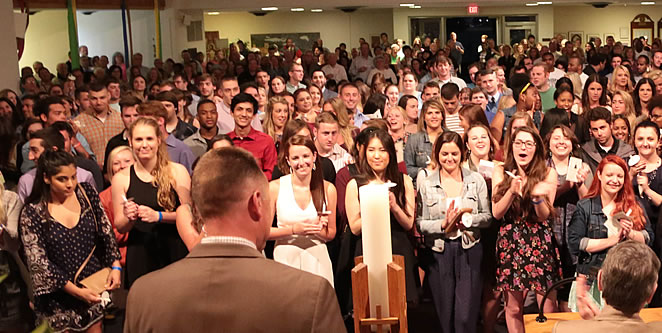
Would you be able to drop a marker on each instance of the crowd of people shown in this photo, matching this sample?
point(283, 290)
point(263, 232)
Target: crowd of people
point(527, 172)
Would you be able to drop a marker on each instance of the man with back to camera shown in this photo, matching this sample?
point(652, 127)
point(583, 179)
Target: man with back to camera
point(231, 195)
point(627, 279)
point(603, 142)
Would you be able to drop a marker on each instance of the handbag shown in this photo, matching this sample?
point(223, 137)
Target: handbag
point(97, 281)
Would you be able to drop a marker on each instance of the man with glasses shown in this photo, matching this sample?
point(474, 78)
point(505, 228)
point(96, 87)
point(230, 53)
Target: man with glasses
point(603, 142)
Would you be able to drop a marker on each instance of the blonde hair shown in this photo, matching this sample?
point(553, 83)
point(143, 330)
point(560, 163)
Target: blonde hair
point(576, 84)
point(3, 212)
point(269, 126)
point(345, 128)
point(654, 74)
point(162, 177)
point(612, 84)
point(113, 154)
point(629, 106)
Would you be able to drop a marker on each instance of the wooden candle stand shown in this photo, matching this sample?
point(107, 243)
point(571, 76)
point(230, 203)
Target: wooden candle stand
point(397, 298)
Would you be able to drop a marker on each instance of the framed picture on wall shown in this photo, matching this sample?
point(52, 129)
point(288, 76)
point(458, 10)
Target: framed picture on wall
point(575, 35)
point(624, 33)
point(590, 37)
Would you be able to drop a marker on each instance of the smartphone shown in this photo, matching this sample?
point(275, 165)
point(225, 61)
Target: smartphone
point(574, 166)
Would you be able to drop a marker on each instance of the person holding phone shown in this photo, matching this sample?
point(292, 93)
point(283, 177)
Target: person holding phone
point(646, 178)
point(594, 228)
point(574, 177)
point(305, 207)
point(66, 237)
point(453, 234)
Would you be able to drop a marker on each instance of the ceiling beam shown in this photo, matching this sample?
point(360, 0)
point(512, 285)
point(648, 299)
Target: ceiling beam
point(87, 4)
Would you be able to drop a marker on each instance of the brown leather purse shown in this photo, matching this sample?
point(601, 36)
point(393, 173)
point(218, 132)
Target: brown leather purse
point(97, 281)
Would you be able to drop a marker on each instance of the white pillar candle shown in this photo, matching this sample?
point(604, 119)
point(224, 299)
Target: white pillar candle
point(376, 235)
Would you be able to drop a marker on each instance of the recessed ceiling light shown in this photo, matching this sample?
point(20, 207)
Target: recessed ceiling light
point(316, 10)
point(544, 2)
point(297, 9)
point(213, 13)
point(416, 7)
point(406, 5)
point(647, 3)
point(269, 9)
point(532, 4)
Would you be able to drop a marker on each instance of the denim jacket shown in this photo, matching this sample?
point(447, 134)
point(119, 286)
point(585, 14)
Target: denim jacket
point(588, 223)
point(418, 152)
point(431, 208)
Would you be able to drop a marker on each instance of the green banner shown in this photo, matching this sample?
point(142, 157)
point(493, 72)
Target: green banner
point(73, 34)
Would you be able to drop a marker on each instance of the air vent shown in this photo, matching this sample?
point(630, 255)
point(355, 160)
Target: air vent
point(194, 31)
point(527, 18)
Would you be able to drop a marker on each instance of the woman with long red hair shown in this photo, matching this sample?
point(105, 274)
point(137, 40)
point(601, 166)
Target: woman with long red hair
point(609, 214)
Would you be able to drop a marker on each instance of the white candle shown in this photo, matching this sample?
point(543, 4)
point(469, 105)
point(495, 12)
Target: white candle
point(376, 235)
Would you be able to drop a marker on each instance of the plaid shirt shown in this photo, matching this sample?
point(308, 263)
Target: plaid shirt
point(98, 132)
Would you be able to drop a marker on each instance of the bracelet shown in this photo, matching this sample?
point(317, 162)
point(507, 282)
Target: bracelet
point(160, 216)
point(537, 202)
point(117, 268)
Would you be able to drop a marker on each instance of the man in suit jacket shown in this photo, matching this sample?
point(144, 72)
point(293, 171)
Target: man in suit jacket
point(225, 284)
point(627, 279)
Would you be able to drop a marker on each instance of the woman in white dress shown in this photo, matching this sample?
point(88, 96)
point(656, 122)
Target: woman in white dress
point(305, 209)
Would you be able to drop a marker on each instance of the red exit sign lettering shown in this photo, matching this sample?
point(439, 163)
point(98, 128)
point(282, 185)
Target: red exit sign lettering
point(472, 9)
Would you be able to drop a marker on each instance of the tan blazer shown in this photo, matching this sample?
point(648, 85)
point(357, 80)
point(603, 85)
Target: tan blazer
point(609, 320)
point(234, 289)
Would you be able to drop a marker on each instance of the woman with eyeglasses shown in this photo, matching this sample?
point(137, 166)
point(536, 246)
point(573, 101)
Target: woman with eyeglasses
point(524, 189)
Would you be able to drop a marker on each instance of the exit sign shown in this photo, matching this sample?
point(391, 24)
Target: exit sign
point(472, 9)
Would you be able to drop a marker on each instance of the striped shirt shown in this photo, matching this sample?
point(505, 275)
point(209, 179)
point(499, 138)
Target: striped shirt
point(454, 124)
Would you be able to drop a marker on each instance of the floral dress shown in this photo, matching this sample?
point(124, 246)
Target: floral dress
point(527, 255)
point(54, 253)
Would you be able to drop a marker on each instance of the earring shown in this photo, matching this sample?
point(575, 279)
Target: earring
point(313, 166)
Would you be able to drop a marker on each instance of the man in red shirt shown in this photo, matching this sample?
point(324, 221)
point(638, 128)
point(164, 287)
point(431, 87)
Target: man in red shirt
point(259, 144)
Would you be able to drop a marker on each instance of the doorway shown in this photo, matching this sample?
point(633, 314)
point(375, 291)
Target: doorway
point(425, 27)
point(469, 30)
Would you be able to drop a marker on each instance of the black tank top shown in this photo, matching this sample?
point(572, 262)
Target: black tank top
point(145, 194)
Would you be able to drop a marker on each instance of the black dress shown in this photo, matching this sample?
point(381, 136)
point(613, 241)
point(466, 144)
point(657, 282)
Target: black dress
point(54, 253)
point(150, 246)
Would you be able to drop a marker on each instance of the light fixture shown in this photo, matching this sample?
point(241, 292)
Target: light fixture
point(532, 4)
point(544, 2)
point(213, 13)
point(406, 5)
point(269, 9)
point(316, 10)
point(298, 9)
point(648, 3)
point(416, 7)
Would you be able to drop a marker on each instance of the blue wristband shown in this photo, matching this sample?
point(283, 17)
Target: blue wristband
point(160, 216)
point(537, 202)
point(117, 268)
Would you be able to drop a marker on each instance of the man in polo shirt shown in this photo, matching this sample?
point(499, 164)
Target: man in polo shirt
point(319, 79)
point(177, 150)
point(229, 89)
point(207, 117)
point(174, 125)
point(245, 136)
point(296, 76)
point(41, 141)
point(101, 124)
point(326, 140)
point(129, 114)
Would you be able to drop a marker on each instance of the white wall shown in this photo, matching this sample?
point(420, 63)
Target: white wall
point(174, 36)
point(603, 21)
point(335, 27)
point(47, 38)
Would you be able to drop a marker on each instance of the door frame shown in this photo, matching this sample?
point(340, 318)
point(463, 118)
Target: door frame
point(500, 26)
